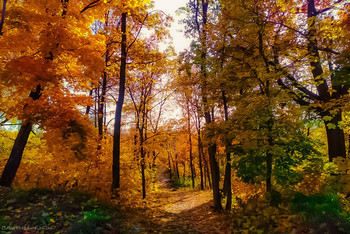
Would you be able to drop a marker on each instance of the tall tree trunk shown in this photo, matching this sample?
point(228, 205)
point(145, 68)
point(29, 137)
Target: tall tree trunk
point(118, 113)
point(101, 103)
point(269, 156)
point(200, 146)
point(228, 146)
point(190, 141)
point(214, 168)
point(13, 162)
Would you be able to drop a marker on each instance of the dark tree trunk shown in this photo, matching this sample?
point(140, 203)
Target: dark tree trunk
point(95, 108)
point(190, 141)
point(89, 107)
point(101, 105)
point(200, 147)
point(227, 184)
point(177, 168)
point(143, 176)
point(215, 173)
point(184, 175)
point(269, 156)
point(169, 166)
point(118, 113)
point(335, 138)
point(136, 155)
point(268, 172)
point(228, 146)
point(207, 170)
point(200, 159)
point(13, 162)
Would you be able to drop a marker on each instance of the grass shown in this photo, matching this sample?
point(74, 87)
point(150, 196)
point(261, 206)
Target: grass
point(180, 183)
point(323, 210)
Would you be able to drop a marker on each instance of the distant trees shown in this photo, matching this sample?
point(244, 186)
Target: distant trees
point(147, 101)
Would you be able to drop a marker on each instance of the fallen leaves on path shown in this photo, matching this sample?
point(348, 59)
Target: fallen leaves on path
point(178, 211)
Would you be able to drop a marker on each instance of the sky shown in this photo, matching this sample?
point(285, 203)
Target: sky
point(180, 42)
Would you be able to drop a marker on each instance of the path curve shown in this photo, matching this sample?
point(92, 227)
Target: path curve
point(179, 211)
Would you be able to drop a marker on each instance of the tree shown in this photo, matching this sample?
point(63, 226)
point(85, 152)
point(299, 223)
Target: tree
point(249, 53)
point(319, 44)
point(144, 92)
point(305, 58)
point(197, 26)
point(118, 112)
point(44, 65)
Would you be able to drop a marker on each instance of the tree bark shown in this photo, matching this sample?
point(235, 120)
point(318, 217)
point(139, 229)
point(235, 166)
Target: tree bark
point(228, 146)
point(169, 166)
point(118, 113)
point(143, 176)
point(101, 113)
point(200, 147)
point(335, 137)
point(177, 168)
point(190, 141)
point(200, 159)
point(214, 168)
point(206, 167)
point(268, 171)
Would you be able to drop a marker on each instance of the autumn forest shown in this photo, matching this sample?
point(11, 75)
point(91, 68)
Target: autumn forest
point(106, 128)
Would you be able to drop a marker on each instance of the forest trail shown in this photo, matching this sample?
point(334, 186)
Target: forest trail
point(178, 211)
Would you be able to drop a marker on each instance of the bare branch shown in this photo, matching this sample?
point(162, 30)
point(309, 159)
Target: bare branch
point(90, 5)
point(328, 8)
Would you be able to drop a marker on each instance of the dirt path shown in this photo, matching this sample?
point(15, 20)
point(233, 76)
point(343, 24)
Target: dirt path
point(178, 211)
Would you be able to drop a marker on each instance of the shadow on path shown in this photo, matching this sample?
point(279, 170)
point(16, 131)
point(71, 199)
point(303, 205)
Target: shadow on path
point(179, 211)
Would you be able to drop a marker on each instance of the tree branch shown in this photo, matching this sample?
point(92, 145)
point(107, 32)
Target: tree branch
point(90, 5)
